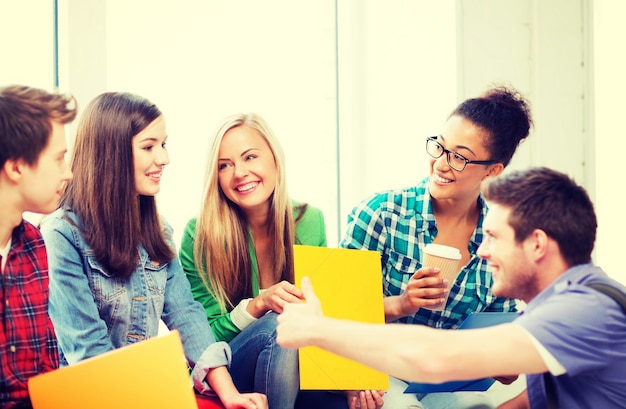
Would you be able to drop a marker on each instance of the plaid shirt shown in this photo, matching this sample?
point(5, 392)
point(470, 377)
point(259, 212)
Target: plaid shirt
point(398, 224)
point(27, 342)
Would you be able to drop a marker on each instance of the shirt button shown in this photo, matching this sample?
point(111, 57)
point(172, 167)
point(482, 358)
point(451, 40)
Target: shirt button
point(13, 349)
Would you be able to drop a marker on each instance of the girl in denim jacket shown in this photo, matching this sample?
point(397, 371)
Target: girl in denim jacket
point(114, 273)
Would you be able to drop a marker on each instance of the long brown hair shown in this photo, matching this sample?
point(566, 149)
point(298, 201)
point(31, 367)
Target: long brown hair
point(114, 220)
point(221, 251)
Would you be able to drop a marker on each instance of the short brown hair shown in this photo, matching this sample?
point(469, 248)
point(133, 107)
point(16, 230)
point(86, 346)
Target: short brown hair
point(546, 199)
point(26, 114)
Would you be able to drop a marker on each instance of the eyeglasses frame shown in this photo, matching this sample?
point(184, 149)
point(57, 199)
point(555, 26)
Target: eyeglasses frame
point(449, 152)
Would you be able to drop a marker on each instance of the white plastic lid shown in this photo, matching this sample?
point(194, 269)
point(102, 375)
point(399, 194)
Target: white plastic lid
point(441, 250)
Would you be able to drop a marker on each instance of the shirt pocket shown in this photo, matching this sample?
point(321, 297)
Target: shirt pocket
point(104, 287)
point(156, 277)
point(398, 271)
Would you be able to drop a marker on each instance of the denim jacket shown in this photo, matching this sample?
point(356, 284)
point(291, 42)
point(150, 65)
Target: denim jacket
point(93, 312)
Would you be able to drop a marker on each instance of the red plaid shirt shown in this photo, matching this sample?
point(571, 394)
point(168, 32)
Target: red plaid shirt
point(28, 345)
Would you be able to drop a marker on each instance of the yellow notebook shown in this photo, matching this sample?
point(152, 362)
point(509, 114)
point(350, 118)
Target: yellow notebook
point(349, 285)
point(149, 374)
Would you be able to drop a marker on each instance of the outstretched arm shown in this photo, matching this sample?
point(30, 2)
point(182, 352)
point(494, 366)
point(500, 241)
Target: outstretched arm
point(411, 352)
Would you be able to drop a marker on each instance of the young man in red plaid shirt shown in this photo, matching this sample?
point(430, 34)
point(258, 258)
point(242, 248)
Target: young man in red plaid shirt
point(32, 174)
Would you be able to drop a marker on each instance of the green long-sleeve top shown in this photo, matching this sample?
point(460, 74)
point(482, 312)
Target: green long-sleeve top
point(310, 230)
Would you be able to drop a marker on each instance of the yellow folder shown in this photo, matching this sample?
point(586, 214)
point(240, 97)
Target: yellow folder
point(348, 283)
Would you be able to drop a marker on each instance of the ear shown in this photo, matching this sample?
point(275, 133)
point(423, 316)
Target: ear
point(494, 170)
point(13, 168)
point(538, 243)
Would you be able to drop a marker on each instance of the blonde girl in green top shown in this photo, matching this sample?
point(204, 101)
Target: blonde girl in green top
point(238, 254)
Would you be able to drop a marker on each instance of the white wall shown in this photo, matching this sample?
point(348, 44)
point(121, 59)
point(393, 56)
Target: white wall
point(26, 48)
point(610, 90)
point(351, 87)
point(538, 47)
point(351, 107)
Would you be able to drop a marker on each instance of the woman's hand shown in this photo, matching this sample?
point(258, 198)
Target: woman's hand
point(245, 400)
point(424, 289)
point(275, 298)
point(297, 323)
point(222, 384)
point(368, 399)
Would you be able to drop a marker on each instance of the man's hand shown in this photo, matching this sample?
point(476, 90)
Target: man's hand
point(296, 322)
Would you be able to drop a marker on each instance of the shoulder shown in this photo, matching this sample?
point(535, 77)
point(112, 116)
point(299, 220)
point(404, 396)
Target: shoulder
point(61, 220)
point(571, 301)
point(305, 215)
point(405, 201)
point(166, 227)
point(190, 227)
point(309, 224)
point(28, 235)
point(303, 210)
point(28, 230)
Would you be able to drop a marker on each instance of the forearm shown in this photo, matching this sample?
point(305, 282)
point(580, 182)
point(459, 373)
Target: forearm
point(393, 308)
point(221, 382)
point(423, 354)
point(396, 349)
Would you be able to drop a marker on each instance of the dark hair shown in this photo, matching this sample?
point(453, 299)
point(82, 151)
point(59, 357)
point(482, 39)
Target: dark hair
point(505, 114)
point(25, 120)
point(542, 198)
point(115, 219)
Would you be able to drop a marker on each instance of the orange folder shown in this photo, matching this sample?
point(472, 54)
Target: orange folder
point(149, 374)
point(348, 283)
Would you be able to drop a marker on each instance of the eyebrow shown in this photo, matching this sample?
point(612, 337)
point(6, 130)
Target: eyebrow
point(152, 139)
point(244, 153)
point(460, 146)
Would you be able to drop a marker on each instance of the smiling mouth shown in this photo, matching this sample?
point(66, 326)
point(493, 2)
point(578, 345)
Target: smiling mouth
point(247, 187)
point(441, 179)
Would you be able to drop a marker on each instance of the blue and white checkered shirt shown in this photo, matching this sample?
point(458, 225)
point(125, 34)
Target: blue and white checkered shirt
point(398, 224)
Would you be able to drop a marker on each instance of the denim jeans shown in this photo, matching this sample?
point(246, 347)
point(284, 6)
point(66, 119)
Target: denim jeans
point(260, 365)
point(322, 400)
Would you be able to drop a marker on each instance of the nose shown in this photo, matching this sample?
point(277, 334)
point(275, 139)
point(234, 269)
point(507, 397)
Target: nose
point(67, 172)
point(241, 170)
point(482, 250)
point(163, 158)
point(442, 161)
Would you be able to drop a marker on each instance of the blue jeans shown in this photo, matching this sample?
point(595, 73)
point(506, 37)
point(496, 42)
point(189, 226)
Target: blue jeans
point(322, 400)
point(260, 365)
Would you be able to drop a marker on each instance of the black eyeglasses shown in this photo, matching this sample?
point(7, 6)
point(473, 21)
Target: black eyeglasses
point(455, 160)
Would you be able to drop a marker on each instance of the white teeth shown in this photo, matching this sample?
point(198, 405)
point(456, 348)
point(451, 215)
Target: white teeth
point(246, 187)
point(441, 179)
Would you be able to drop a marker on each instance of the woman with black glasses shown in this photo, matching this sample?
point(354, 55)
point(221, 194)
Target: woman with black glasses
point(477, 142)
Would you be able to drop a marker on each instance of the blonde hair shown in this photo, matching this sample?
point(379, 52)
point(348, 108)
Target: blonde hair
point(221, 252)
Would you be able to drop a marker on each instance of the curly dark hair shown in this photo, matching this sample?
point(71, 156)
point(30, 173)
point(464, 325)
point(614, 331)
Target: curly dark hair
point(505, 114)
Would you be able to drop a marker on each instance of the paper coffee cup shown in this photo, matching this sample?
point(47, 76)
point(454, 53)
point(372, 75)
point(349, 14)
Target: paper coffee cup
point(447, 259)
